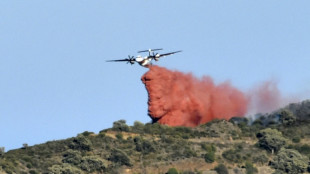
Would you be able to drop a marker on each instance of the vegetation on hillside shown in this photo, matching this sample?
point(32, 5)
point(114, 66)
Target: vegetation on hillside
point(273, 143)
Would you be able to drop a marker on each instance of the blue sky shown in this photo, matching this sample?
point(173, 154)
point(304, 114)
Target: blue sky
point(55, 83)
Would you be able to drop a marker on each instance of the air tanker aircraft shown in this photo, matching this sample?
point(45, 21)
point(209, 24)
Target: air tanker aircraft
point(144, 61)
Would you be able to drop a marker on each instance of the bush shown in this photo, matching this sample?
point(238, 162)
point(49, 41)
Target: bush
point(91, 164)
point(287, 118)
point(271, 139)
point(81, 143)
point(64, 169)
point(72, 157)
point(120, 125)
point(250, 169)
point(144, 146)
point(260, 158)
point(209, 157)
point(138, 127)
point(119, 136)
point(172, 171)
point(86, 133)
point(120, 157)
point(221, 169)
point(290, 161)
point(303, 149)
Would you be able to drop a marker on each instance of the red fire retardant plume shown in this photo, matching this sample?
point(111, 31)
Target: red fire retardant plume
point(179, 99)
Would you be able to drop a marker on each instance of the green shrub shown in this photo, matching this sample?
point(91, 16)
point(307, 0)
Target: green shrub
point(92, 164)
point(303, 149)
point(250, 169)
point(138, 127)
point(33, 172)
point(260, 158)
point(64, 169)
point(120, 157)
point(234, 156)
point(221, 169)
point(287, 118)
point(271, 139)
point(296, 139)
point(209, 157)
point(145, 147)
point(120, 125)
point(81, 143)
point(72, 157)
point(86, 133)
point(119, 136)
point(290, 161)
point(208, 147)
point(172, 171)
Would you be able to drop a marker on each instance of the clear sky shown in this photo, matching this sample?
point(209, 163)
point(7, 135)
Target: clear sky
point(55, 83)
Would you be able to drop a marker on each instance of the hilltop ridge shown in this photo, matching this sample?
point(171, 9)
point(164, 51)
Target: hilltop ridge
point(238, 145)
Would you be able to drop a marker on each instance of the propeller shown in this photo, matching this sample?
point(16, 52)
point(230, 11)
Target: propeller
point(155, 56)
point(131, 59)
point(150, 50)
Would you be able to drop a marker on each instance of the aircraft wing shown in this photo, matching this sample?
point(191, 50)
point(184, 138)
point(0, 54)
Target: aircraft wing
point(119, 60)
point(167, 54)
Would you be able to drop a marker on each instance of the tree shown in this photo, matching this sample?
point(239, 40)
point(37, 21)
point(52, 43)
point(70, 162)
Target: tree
point(210, 155)
point(287, 117)
point(138, 127)
point(72, 157)
point(290, 161)
point(120, 125)
point(81, 143)
point(120, 157)
point(271, 139)
point(92, 164)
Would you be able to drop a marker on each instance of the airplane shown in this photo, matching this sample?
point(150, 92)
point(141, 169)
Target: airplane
point(144, 61)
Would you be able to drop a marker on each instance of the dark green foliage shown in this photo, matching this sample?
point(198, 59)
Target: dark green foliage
point(86, 133)
point(72, 157)
point(271, 140)
point(287, 118)
point(92, 164)
point(250, 169)
point(290, 161)
point(81, 143)
point(64, 169)
point(209, 157)
point(296, 139)
point(210, 152)
point(119, 136)
point(303, 149)
point(301, 110)
point(120, 157)
point(144, 146)
point(33, 172)
point(236, 155)
point(221, 169)
point(120, 125)
point(138, 127)
point(172, 171)
point(260, 158)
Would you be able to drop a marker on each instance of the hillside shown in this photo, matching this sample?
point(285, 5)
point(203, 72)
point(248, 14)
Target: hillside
point(278, 142)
